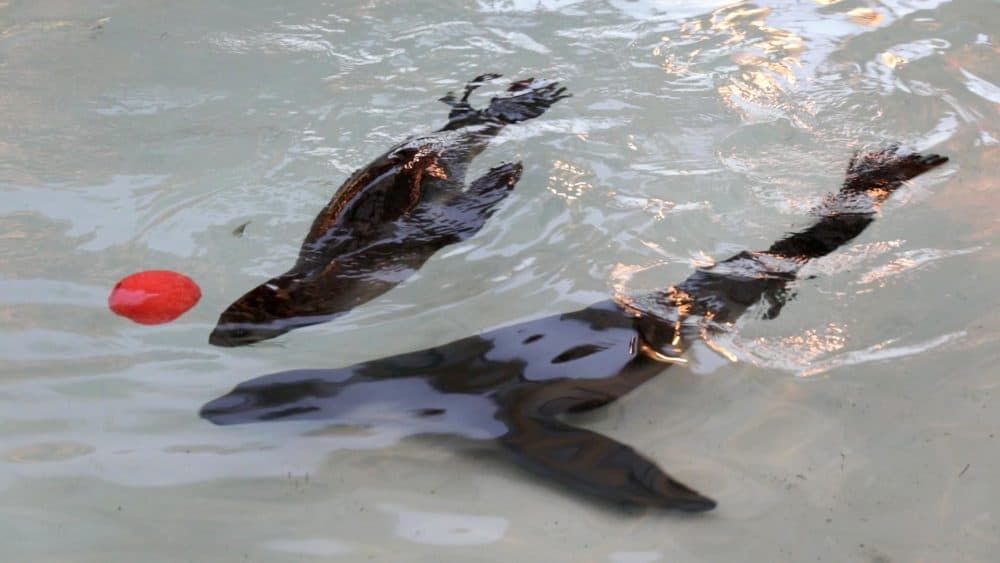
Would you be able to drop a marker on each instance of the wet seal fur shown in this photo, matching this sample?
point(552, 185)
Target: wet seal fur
point(512, 384)
point(390, 217)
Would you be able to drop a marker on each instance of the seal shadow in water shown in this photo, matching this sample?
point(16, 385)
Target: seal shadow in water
point(390, 217)
point(514, 383)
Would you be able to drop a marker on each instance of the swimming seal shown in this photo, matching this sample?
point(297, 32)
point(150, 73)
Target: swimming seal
point(390, 217)
point(513, 383)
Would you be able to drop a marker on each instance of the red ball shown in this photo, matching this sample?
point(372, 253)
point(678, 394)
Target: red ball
point(154, 296)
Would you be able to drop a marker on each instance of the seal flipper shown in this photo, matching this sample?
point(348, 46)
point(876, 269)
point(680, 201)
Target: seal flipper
point(530, 98)
point(466, 213)
point(728, 288)
point(434, 225)
point(461, 109)
point(525, 99)
point(490, 188)
point(582, 459)
point(593, 463)
point(871, 178)
point(887, 170)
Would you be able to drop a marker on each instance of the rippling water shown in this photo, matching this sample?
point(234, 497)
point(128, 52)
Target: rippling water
point(859, 426)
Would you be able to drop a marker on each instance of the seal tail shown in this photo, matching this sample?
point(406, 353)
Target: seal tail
point(524, 99)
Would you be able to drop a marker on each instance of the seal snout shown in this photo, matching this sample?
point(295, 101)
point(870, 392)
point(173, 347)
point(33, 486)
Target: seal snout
point(225, 409)
point(230, 335)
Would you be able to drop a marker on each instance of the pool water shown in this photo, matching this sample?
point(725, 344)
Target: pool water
point(203, 137)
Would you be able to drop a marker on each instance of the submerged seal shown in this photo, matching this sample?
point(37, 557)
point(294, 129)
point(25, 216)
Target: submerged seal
point(390, 217)
point(511, 384)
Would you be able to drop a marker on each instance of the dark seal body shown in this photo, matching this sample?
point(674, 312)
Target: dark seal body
point(390, 217)
point(512, 384)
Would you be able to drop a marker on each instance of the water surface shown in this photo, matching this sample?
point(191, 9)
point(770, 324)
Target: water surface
point(858, 426)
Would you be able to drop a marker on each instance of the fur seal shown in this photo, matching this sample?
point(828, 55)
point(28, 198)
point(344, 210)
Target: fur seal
point(390, 217)
point(511, 384)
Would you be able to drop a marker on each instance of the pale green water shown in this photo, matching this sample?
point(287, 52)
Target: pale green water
point(861, 425)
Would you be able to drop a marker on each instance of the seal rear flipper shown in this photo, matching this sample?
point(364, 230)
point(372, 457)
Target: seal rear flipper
point(460, 108)
point(871, 178)
point(525, 99)
point(886, 169)
point(593, 463)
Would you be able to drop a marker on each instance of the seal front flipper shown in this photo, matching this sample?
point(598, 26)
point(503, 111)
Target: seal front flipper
point(464, 215)
point(432, 226)
point(593, 463)
point(490, 188)
point(582, 459)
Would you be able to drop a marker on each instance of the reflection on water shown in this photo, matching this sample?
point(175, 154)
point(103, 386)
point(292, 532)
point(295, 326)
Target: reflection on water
point(568, 181)
point(139, 135)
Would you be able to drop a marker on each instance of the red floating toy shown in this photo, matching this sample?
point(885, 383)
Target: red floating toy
point(154, 296)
